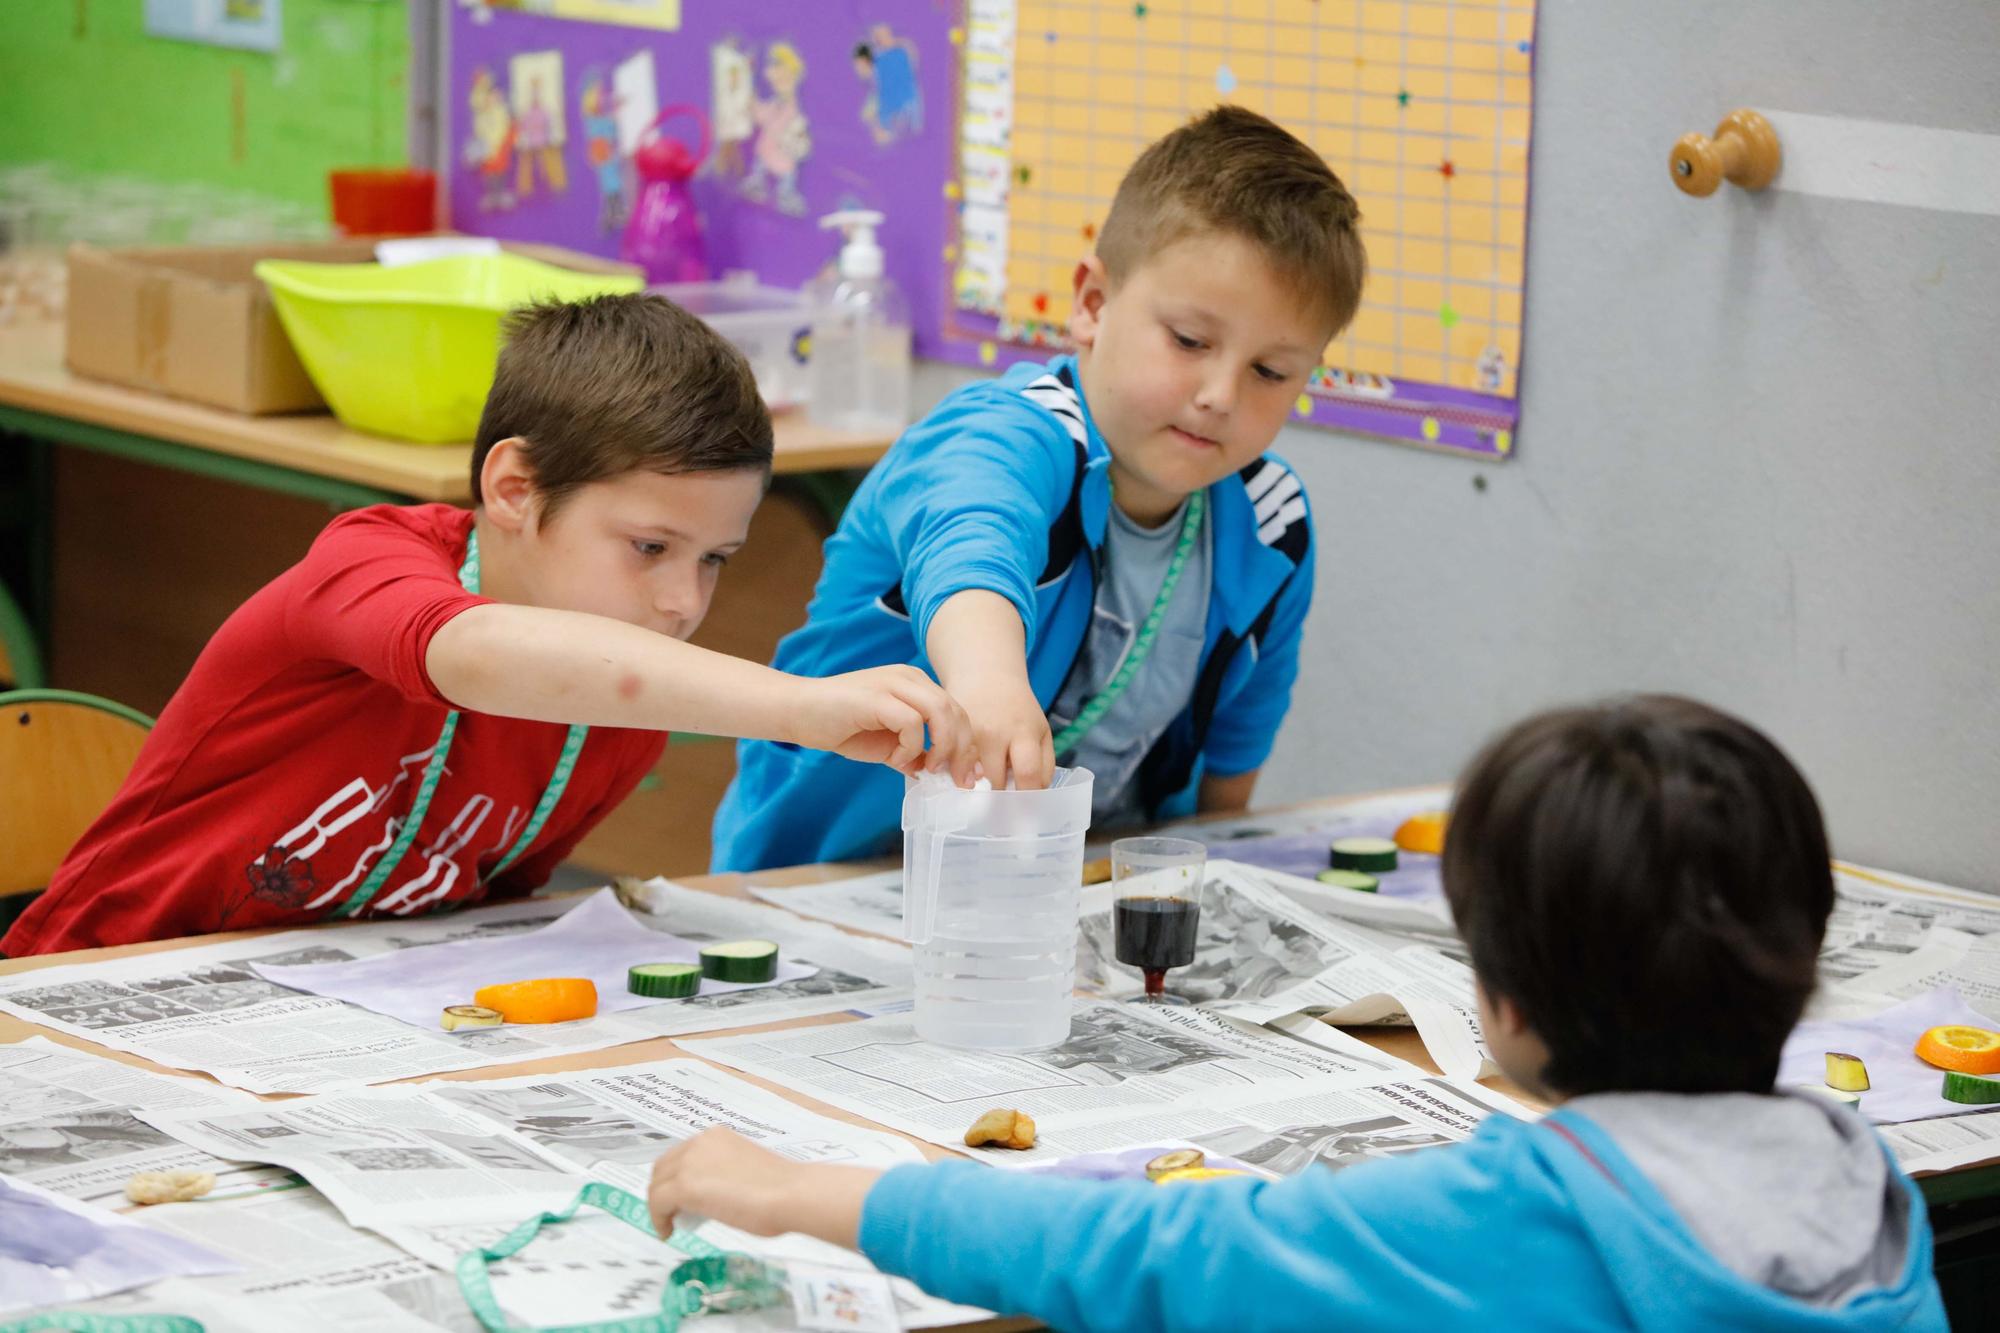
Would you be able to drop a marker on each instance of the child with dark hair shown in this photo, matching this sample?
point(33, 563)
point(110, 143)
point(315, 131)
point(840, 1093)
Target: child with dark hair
point(1643, 887)
point(435, 704)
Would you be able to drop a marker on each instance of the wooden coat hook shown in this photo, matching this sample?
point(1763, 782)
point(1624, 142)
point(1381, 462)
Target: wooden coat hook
point(1744, 151)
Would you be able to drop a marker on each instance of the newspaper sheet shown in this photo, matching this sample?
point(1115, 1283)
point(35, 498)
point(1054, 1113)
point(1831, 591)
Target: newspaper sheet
point(388, 1156)
point(66, 1124)
point(445, 1167)
point(205, 1008)
point(1940, 1145)
point(612, 1124)
point(1261, 955)
point(597, 939)
point(872, 903)
point(305, 1268)
point(1129, 1074)
point(1880, 919)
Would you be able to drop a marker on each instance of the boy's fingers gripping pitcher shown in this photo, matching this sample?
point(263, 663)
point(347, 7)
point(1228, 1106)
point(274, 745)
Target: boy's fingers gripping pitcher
point(992, 889)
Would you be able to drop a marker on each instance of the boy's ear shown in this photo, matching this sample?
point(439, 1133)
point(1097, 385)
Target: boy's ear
point(1091, 288)
point(507, 486)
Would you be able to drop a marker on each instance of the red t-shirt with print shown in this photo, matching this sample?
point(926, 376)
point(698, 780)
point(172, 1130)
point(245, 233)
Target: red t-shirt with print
point(285, 765)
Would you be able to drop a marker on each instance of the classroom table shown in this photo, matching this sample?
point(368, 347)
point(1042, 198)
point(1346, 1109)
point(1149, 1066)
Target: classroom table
point(1961, 1200)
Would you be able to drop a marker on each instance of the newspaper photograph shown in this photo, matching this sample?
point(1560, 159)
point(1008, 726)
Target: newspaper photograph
point(1129, 1074)
point(1261, 955)
point(872, 903)
point(66, 1124)
point(854, 973)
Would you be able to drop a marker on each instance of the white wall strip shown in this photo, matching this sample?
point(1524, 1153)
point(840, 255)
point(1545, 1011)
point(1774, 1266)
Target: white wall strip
point(1952, 171)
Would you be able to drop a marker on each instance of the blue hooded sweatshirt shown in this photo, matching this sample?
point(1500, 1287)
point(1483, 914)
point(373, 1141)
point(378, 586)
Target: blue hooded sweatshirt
point(1635, 1211)
point(1005, 487)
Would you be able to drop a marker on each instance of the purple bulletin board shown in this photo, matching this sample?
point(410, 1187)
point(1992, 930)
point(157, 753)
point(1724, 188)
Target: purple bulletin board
point(529, 163)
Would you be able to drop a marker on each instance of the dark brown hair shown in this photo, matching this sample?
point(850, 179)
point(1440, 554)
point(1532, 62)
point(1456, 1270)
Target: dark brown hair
point(1648, 881)
point(615, 384)
point(1236, 172)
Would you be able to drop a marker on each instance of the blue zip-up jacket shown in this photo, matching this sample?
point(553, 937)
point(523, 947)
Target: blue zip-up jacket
point(1005, 487)
point(1542, 1226)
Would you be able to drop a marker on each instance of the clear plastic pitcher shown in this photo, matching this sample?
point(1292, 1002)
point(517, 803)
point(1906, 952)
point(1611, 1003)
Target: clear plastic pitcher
point(992, 889)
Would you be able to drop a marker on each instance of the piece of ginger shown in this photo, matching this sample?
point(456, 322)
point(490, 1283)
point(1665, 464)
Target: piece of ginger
point(1003, 1128)
point(168, 1186)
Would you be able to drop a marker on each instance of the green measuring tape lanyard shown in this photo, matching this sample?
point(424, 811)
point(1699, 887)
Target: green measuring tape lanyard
point(103, 1323)
point(1094, 711)
point(710, 1281)
point(468, 578)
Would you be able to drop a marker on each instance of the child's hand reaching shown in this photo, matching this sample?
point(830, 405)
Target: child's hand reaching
point(1010, 733)
point(879, 716)
point(720, 1174)
point(977, 644)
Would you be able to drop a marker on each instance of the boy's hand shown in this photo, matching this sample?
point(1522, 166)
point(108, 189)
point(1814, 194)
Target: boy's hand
point(1009, 729)
point(878, 716)
point(722, 1175)
point(979, 647)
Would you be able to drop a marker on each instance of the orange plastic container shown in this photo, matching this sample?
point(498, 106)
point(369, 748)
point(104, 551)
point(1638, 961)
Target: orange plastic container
point(383, 201)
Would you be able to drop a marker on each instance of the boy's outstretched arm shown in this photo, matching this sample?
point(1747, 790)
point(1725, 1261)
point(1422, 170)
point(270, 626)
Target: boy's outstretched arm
point(568, 666)
point(979, 647)
point(1088, 1256)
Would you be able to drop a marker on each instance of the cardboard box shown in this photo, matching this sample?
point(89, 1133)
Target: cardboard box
point(196, 323)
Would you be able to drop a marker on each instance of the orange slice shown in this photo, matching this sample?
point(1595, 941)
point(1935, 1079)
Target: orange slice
point(546, 1000)
point(1967, 1050)
point(1423, 833)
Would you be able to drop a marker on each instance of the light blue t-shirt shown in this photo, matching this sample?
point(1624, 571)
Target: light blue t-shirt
point(1135, 565)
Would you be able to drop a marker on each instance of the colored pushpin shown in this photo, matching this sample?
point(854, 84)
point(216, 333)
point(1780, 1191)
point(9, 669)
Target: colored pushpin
point(1446, 315)
point(1041, 303)
point(1403, 97)
point(1446, 169)
point(1225, 80)
point(1431, 429)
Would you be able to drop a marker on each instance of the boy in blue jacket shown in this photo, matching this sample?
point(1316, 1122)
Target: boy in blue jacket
point(1643, 888)
point(1096, 557)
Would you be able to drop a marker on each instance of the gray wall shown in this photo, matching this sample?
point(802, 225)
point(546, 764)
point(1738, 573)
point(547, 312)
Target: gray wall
point(1759, 458)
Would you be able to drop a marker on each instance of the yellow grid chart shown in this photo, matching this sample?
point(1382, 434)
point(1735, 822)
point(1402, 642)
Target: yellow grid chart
point(1421, 106)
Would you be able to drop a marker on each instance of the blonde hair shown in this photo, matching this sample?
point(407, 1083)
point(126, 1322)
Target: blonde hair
point(1235, 172)
point(787, 55)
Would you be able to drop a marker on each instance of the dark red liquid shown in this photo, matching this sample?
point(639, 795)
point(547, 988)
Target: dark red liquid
point(1154, 934)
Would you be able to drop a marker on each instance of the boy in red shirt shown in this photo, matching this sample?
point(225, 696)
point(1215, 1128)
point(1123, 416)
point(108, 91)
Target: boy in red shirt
point(435, 704)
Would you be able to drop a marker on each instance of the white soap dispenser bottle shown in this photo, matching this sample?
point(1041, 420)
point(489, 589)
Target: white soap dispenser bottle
point(860, 363)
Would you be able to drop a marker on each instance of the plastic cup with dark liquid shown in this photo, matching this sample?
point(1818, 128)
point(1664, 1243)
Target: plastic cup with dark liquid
point(1156, 915)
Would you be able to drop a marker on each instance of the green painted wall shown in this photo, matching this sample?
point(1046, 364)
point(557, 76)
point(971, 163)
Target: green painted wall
point(83, 86)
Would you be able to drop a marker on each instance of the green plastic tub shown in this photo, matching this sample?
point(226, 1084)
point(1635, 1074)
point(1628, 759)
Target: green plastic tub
point(408, 352)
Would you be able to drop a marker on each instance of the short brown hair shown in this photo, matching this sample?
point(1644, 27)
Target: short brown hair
point(1234, 171)
point(1648, 882)
point(616, 384)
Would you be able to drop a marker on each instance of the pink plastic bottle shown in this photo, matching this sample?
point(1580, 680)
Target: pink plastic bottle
point(664, 235)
